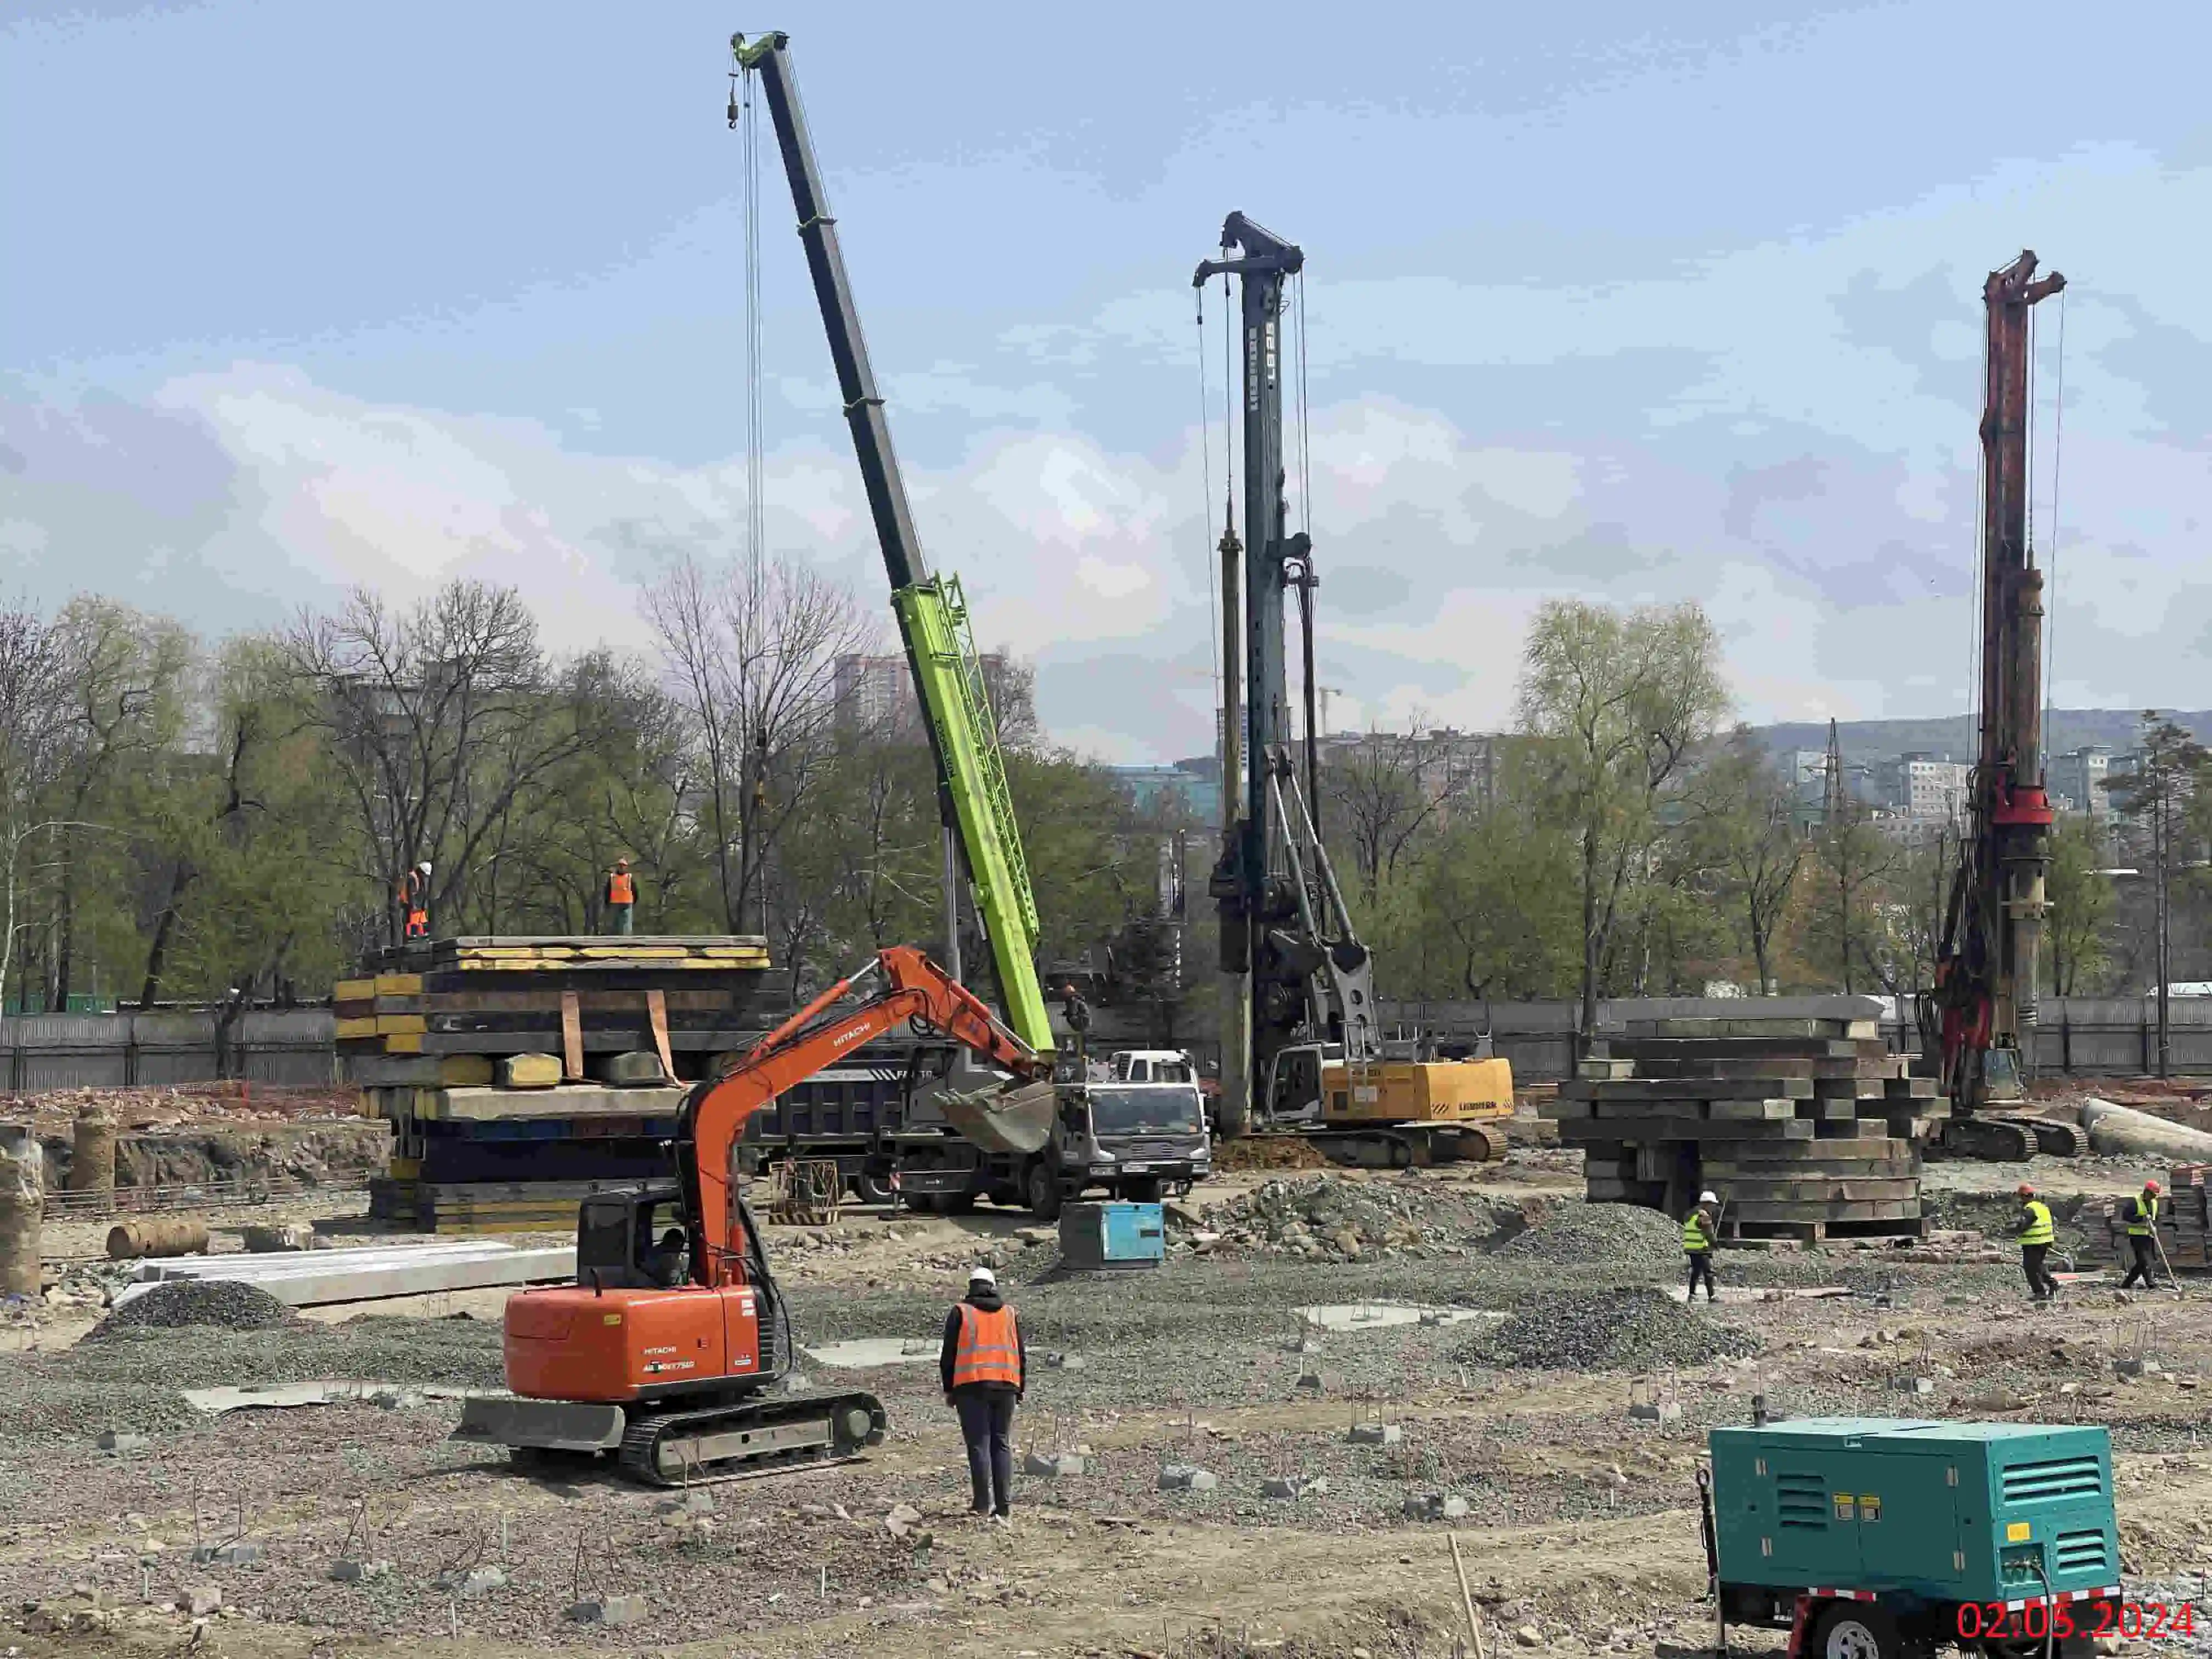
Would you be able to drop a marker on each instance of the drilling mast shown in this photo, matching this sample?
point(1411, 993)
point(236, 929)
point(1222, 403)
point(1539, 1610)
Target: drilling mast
point(1986, 964)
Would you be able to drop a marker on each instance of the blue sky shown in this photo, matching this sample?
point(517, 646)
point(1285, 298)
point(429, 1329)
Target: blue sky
point(1602, 302)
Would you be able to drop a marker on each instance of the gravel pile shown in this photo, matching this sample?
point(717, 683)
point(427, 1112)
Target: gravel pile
point(1330, 1218)
point(1600, 1235)
point(182, 1301)
point(1632, 1330)
point(130, 1377)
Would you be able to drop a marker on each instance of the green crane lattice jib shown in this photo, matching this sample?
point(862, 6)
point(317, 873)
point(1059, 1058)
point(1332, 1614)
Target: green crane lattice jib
point(949, 677)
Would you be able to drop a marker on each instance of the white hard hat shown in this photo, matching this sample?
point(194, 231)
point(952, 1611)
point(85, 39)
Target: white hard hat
point(424, 866)
point(984, 1276)
point(1708, 1198)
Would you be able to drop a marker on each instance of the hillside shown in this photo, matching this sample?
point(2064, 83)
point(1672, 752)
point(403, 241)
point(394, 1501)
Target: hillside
point(1952, 735)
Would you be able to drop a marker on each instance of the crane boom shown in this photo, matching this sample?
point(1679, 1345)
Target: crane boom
point(933, 617)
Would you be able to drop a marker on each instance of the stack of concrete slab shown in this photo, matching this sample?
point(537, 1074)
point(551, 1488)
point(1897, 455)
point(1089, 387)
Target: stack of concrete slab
point(520, 1073)
point(1803, 1122)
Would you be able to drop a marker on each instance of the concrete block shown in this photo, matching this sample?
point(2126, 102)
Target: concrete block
point(613, 1611)
point(1187, 1477)
point(268, 1240)
point(1434, 1506)
point(1051, 1465)
point(1913, 1385)
point(200, 1600)
point(637, 1068)
point(1293, 1487)
point(396, 1400)
point(529, 1072)
point(120, 1441)
point(358, 1572)
point(1375, 1434)
point(1664, 1411)
point(474, 1584)
point(239, 1552)
point(1319, 1380)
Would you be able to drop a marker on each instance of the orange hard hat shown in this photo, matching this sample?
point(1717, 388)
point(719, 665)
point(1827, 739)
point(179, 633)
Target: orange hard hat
point(2026, 1189)
point(2152, 1186)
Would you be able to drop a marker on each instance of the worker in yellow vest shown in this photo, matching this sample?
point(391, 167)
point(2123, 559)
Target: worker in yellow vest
point(1701, 1231)
point(2141, 1214)
point(985, 1367)
point(2035, 1235)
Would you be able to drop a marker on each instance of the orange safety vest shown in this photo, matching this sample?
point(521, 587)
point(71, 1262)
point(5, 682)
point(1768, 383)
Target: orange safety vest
point(621, 888)
point(989, 1349)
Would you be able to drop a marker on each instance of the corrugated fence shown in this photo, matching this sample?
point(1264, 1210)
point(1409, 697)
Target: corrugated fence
point(70, 1051)
point(2084, 1036)
point(2088, 1036)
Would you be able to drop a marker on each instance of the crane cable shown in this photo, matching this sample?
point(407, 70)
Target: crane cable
point(2051, 553)
point(755, 463)
point(1206, 474)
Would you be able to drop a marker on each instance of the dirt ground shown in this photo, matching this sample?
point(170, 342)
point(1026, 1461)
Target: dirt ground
point(1580, 1538)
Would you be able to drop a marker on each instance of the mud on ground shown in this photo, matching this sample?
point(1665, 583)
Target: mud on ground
point(1580, 1534)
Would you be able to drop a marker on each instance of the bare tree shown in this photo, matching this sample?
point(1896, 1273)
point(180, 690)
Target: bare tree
point(1379, 794)
point(751, 650)
point(437, 717)
point(123, 675)
point(1745, 833)
point(34, 713)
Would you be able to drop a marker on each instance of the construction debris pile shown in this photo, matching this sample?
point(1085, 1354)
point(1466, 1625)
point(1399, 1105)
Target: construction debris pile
point(520, 1075)
point(1804, 1124)
point(1632, 1329)
point(1330, 1218)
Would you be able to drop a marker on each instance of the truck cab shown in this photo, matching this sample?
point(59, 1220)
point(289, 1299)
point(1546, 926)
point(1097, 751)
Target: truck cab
point(1152, 1065)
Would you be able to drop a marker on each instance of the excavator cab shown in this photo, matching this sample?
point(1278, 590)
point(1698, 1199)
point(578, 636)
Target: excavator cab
point(632, 1240)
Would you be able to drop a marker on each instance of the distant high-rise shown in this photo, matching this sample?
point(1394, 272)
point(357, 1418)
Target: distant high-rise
point(2076, 781)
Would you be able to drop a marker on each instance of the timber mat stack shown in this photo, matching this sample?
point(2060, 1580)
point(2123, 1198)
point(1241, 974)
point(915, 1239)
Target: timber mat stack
point(2183, 1222)
point(1802, 1122)
point(520, 1074)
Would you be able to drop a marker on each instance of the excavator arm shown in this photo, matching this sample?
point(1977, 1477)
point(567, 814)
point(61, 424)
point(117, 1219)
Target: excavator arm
point(904, 986)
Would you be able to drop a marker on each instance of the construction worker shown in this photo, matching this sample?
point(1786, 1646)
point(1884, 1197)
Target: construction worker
point(985, 1366)
point(414, 900)
point(2142, 1218)
point(2035, 1236)
point(621, 897)
point(1701, 1230)
point(665, 1264)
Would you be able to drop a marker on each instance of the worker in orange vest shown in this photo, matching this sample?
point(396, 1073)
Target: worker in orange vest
point(985, 1366)
point(620, 897)
point(414, 900)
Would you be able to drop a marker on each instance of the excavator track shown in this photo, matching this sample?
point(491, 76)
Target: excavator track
point(747, 1438)
point(1411, 1146)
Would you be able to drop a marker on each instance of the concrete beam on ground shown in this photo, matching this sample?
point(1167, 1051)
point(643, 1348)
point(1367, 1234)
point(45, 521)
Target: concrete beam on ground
point(316, 1277)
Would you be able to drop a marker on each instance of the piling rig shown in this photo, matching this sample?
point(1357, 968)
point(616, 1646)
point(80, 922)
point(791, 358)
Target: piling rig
point(1983, 1006)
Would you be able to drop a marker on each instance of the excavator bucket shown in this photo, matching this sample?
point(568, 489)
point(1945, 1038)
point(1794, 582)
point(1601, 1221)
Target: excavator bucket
point(1017, 1119)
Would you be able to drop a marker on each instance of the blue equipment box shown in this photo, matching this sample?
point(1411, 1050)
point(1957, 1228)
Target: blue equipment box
point(1939, 1513)
point(1113, 1235)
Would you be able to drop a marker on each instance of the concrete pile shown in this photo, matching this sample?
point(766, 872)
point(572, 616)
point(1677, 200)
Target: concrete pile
point(1802, 1122)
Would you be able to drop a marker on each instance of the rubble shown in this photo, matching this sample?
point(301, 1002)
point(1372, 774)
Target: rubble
point(1335, 1219)
point(1637, 1328)
point(181, 1302)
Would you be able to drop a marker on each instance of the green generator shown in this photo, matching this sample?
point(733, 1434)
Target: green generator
point(1914, 1533)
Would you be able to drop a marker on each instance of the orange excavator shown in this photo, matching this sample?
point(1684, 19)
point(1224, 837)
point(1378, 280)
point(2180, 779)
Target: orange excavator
point(668, 1349)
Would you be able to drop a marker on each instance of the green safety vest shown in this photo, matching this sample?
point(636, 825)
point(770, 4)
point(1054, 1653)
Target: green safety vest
point(1695, 1238)
point(2144, 1218)
point(2038, 1223)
